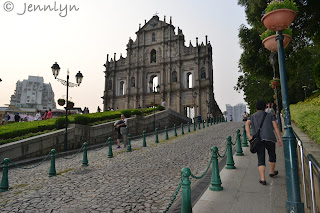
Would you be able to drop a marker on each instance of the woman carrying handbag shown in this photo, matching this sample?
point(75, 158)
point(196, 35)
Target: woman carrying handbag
point(265, 124)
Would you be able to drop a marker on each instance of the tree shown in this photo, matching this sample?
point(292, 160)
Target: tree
point(301, 55)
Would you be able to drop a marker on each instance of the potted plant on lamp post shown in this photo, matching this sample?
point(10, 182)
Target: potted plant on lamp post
point(275, 82)
point(279, 14)
point(268, 38)
point(61, 101)
point(70, 105)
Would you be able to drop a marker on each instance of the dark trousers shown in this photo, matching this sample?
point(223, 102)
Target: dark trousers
point(271, 148)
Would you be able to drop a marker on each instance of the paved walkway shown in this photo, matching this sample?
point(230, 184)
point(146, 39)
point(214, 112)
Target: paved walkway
point(140, 181)
point(242, 193)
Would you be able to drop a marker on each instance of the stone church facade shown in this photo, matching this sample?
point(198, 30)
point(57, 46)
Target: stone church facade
point(184, 74)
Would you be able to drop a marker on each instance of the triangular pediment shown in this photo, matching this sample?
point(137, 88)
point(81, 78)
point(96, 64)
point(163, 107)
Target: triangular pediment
point(152, 24)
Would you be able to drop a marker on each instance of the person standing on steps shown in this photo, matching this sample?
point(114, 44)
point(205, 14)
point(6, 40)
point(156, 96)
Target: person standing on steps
point(121, 128)
point(268, 138)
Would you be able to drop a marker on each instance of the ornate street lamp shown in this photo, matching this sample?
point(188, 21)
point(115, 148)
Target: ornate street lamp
point(55, 71)
point(272, 61)
point(154, 90)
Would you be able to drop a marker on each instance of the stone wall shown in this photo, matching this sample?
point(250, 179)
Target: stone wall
point(77, 134)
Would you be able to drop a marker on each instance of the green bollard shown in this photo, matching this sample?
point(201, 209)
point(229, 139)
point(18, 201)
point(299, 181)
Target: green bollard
point(182, 129)
point(4, 185)
point(244, 137)
point(188, 126)
point(215, 183)
point(230, 162)
point(85, 157)
point(239, 151)
point(199, 125)
point(194, 126)
point(186, 191)
point(175, 130)
point(144, 143)
point(167, 136)
point(211, 121)
point(110, 154)
point(129, 143)
point(203, 126)
point(52, 170)
point(157, 139)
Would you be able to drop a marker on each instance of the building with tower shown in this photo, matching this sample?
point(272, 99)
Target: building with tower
point(159, 55)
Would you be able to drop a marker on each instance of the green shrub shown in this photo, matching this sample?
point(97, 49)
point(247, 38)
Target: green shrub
point(136, 112)
point(61, 122)
point(82, 119)
point(285, 4)
point(268, 33)
point(307, 116)
point(160, 108)
point(126, 112)
point(20, 130)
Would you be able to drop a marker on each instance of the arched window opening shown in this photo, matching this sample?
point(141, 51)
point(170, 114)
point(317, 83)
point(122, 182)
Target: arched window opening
point(153, 56)
point(189, 80)
point(110, 85)
point(155, 82)
point(203, 73)
point(174, 76)
point(153, 37)
point(122, 88)
point(133, 82)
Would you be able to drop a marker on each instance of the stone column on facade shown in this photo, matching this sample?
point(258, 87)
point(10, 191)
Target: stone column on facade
point(178, 108)
point(106, 83)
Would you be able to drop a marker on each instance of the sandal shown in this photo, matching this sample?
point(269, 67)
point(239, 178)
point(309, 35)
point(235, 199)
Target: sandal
point(275, 173)
point(263, 182)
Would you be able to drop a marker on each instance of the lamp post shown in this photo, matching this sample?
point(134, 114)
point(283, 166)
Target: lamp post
point(154, 91)
point(305, 91)
point(294, 203)
point(272, 62)
point(55, 71)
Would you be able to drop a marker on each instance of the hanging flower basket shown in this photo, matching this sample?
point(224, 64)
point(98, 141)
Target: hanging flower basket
point(61, 102)
point(275, 82)
point(271, 44)
point(279, 19)
point(70, 104)
point(272, 86)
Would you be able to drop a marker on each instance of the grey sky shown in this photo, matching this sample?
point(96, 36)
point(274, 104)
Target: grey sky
point(32, 42)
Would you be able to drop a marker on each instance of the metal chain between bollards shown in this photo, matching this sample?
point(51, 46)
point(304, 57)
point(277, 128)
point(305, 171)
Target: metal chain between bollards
point(20, 167)
point(173, 197)
point(193, 176)
point(234, 143)
point(225, 152)
point(98, 149)
point(68, 158)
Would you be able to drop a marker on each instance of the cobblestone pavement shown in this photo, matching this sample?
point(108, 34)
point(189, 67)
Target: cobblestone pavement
point(143, 180)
